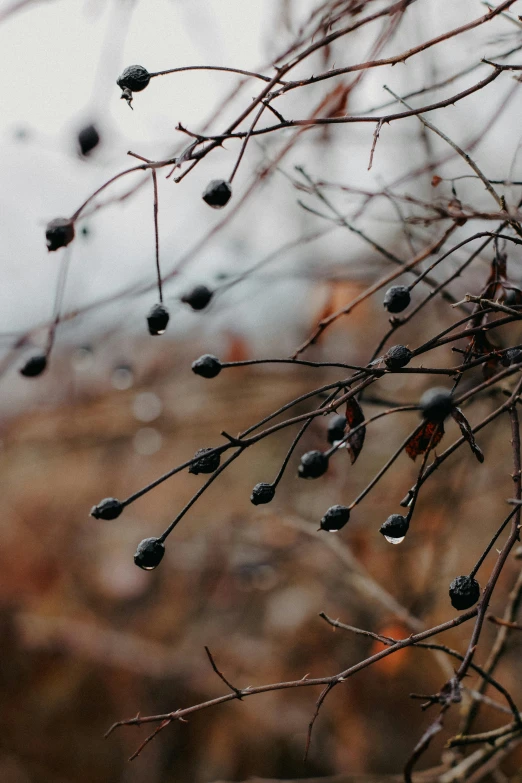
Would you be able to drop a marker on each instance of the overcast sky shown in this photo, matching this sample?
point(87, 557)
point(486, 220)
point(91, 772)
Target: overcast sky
point(60, 61)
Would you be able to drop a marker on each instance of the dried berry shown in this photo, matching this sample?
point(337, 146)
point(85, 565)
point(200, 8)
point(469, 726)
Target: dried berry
point(464, 591)
point(335, 518)
point(158, 319)
point(59, 233)
point(110, 508)
point(397, 356)
point(134, 78)
point(34, 366)
point(262, 493)
point(207, 366)
point(395, 528)
point(88, 139)
point(513, 356)
point(336, 428)
point(217, 193)
point(149, 553)
point(313, 464)
point(436, 404)
point(397, 298)
point(198, 298)
point(206, 464)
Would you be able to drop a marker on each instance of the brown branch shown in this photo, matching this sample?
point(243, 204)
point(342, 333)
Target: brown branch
point(399, 58)
point(303, 683)
point(505, 623)
point(221, 676)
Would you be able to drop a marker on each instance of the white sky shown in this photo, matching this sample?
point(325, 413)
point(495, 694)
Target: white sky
point(60, 60)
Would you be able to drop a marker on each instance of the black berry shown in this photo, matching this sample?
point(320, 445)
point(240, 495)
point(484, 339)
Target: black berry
point(59, 233)
point(436, 404)
point(335, 518)
point(198, 298)
point(513, 356)
point(217, 193)
point(397, 298)
point(110, 508)
point(34, 366)
point(207, 366)
point(395, 527)
point(262, 493)
point(464, 591)
point(397, 356)
point(207, 463)
point(88, 139)
point(134, 78)
point(149, 553)
point(158, 319)
point(313, 464)
point(336, 428)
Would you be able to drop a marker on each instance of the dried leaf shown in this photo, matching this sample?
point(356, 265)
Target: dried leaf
point(419, 442)
point(435, 180)
point(354, 417)
point(467, 433)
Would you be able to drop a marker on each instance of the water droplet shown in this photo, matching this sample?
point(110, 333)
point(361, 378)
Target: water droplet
point(392, 540)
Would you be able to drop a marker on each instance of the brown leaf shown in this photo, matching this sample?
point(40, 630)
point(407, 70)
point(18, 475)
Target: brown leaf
point(467, 433)
point(354, 417)
point(419, 442)
point(435, 181)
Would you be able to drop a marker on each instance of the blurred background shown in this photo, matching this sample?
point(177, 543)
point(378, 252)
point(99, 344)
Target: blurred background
point(88, 638)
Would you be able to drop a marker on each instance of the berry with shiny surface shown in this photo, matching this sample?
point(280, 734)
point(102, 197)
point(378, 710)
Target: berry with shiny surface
point(262, 493)
point(149, 553)
point(134, 78)
point(34, 366)
point(397, 356)
point(59, 233)
point(198, 298)
point(88, 139)
point(313, 465)
point(207, 366)
point(217, 193)
point(158, 319)
point(436, 404)
point(397, 298)
point(512, 356)
point(395, 528)
point(109, 508)
point(464, 592)
point(336, 428)
point(335, 518)
point(207, 463)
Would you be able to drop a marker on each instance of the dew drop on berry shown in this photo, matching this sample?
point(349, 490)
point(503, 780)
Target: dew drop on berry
point(392, 540)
